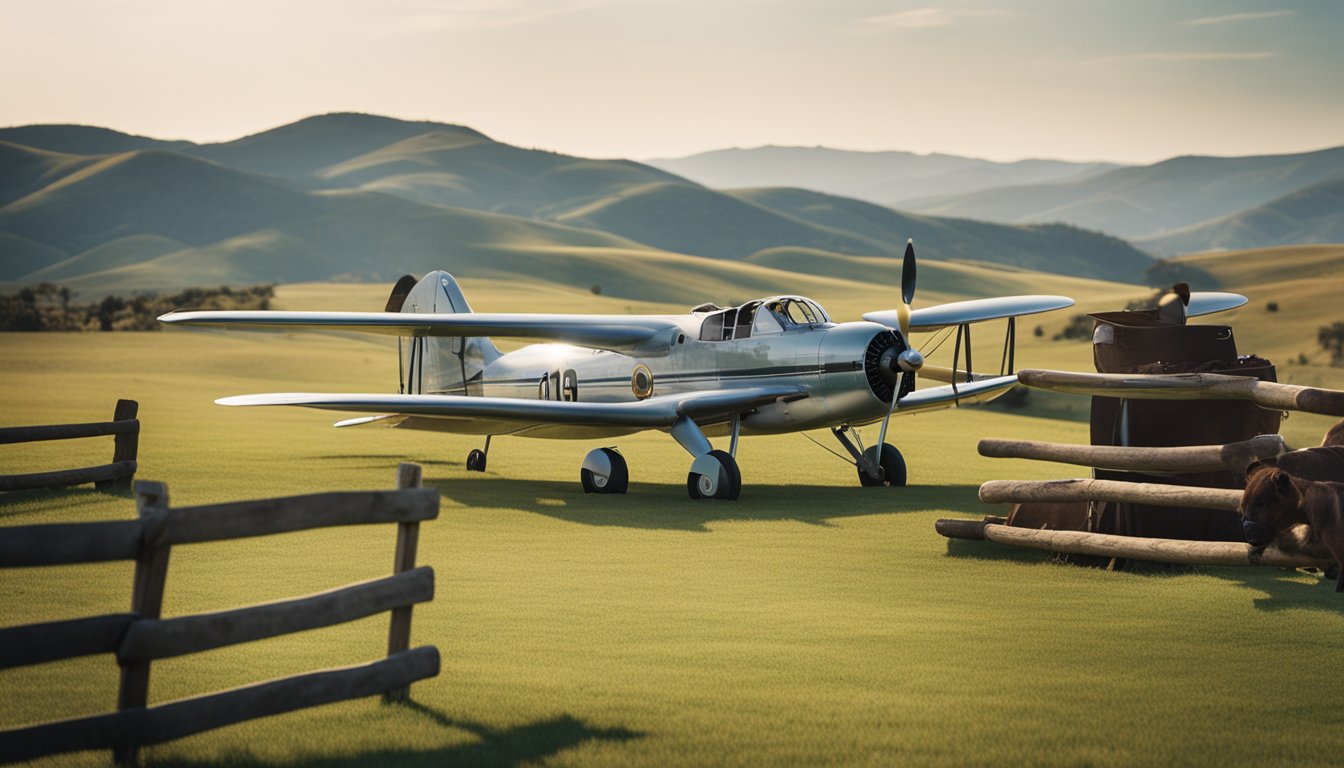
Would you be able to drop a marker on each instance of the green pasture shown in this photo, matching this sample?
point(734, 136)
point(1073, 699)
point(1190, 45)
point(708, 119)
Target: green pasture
point(812, 622)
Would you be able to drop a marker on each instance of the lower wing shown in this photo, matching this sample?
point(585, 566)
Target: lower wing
point(979, 391)
point(501, 415)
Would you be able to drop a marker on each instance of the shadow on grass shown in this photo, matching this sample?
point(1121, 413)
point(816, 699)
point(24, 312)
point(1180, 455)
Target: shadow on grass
point(527, 744)
point(390, 460)
point(975, 549)
point(667, 507)
point(1287, 590)
point(58, 499)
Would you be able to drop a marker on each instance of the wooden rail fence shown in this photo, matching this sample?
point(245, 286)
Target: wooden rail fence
point(142, 636)
point(113, 476)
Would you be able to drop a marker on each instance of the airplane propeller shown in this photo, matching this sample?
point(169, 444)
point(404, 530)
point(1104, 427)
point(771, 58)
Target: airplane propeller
point(909, 360)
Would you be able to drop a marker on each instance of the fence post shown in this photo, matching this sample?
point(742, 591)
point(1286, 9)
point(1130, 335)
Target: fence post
point(126, 446)
point(408, 536)
point(151, 570)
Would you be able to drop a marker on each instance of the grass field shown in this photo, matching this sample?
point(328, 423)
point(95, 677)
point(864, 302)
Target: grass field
point(811, 622)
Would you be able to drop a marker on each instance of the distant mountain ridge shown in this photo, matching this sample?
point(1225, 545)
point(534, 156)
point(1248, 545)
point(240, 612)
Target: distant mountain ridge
point(885, 178)
point(1171, 204)
point(1314, 214)
point(352, 195)
point(1147, 202)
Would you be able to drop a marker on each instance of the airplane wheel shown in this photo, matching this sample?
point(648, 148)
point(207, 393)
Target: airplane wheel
point(714, 476)
point(604, 471)
point(476, 461)
point(893, 467)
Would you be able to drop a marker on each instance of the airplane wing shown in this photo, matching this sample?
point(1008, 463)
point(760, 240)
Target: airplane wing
point(501, 415)
point(973, 311)
point(598, 331)
point(933, 398)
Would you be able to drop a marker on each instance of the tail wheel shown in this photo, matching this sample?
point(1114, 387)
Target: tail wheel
point(714, 475)
point(892, 471)
point(476, 461)
point(604, 471)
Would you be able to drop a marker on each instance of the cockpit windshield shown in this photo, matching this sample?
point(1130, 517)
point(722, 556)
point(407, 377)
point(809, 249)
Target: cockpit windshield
point(778, 314)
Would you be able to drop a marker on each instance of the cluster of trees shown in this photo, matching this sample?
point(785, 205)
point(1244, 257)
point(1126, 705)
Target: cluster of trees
point(1331, 338)
point(48, 307)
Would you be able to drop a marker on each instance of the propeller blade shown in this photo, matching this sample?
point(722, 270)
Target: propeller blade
point(907, 291)
point(908, 273)
point(910, 359)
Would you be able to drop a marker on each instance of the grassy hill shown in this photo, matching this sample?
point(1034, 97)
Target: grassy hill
point(1311, 215)
point(83, 139)
point(1148, 201)
point(472, 171)
point(1046, 248)
point(24, 170)
point(1304, 281)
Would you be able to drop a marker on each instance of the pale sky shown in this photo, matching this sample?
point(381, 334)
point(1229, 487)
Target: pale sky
point(1135, 80)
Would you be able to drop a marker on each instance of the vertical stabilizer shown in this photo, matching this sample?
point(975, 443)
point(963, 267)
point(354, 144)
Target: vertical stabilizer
point(439, 365)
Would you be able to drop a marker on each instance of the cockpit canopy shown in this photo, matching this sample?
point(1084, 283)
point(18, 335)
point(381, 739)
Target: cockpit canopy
point(777, 314)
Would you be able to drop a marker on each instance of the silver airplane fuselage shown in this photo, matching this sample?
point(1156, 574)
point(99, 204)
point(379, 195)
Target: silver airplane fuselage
point(825, 361)
point(782, 340)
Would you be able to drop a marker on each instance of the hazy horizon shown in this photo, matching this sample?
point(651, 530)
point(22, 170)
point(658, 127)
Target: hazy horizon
point(1089, 80)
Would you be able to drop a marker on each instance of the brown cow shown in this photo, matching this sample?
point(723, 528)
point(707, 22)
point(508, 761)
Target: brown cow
point(1321, 464)
point(1335, 436)
point(1300, 516)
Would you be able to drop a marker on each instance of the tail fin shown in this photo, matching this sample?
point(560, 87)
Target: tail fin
point(441, 365)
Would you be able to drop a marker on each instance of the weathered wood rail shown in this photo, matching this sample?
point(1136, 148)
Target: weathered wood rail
point(142, 636)
point(1128, 547)
point(1192, 458)
point(1189, 386)
point(1087, 489)
point(115, 475)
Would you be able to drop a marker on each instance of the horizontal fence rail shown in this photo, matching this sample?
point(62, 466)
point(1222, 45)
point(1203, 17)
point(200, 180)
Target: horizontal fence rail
point(141, 636)
point(1189, 386)
point(176, 719)
point(1192, 458)
point(46, 432)
point(165, 638)
point(1177, 551)
point(1087, 489)
point(114, 475)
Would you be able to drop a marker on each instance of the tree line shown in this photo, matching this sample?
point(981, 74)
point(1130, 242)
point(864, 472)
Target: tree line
point(48, 307)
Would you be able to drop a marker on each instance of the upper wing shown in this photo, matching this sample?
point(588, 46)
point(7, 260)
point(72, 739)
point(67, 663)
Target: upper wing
point(599, 331)
point(973, 311)
point(512, 415)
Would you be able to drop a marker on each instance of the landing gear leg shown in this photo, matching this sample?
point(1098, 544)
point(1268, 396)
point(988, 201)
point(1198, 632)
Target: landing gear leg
point(714, 474)
point(476, 459)
point(891, 471)
point(604, 471)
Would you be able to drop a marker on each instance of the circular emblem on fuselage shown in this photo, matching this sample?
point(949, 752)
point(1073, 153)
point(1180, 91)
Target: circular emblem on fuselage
point(641, 381)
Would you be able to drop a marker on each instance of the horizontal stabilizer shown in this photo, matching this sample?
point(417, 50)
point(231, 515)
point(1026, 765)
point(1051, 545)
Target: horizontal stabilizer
point(972, 311)
point(597, 331)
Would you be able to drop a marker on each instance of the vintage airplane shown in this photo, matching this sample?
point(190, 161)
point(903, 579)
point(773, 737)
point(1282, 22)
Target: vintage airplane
point(773, 365)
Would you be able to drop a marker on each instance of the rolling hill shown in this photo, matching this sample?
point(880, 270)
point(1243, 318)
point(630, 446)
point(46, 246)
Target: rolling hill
point(1303, 282)
point(1149, 201)
point(1311, 215)
point(366, 197)
point(878, 177)
point(1042, 247)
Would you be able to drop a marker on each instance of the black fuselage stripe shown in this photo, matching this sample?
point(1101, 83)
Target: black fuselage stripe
point(739, 373)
